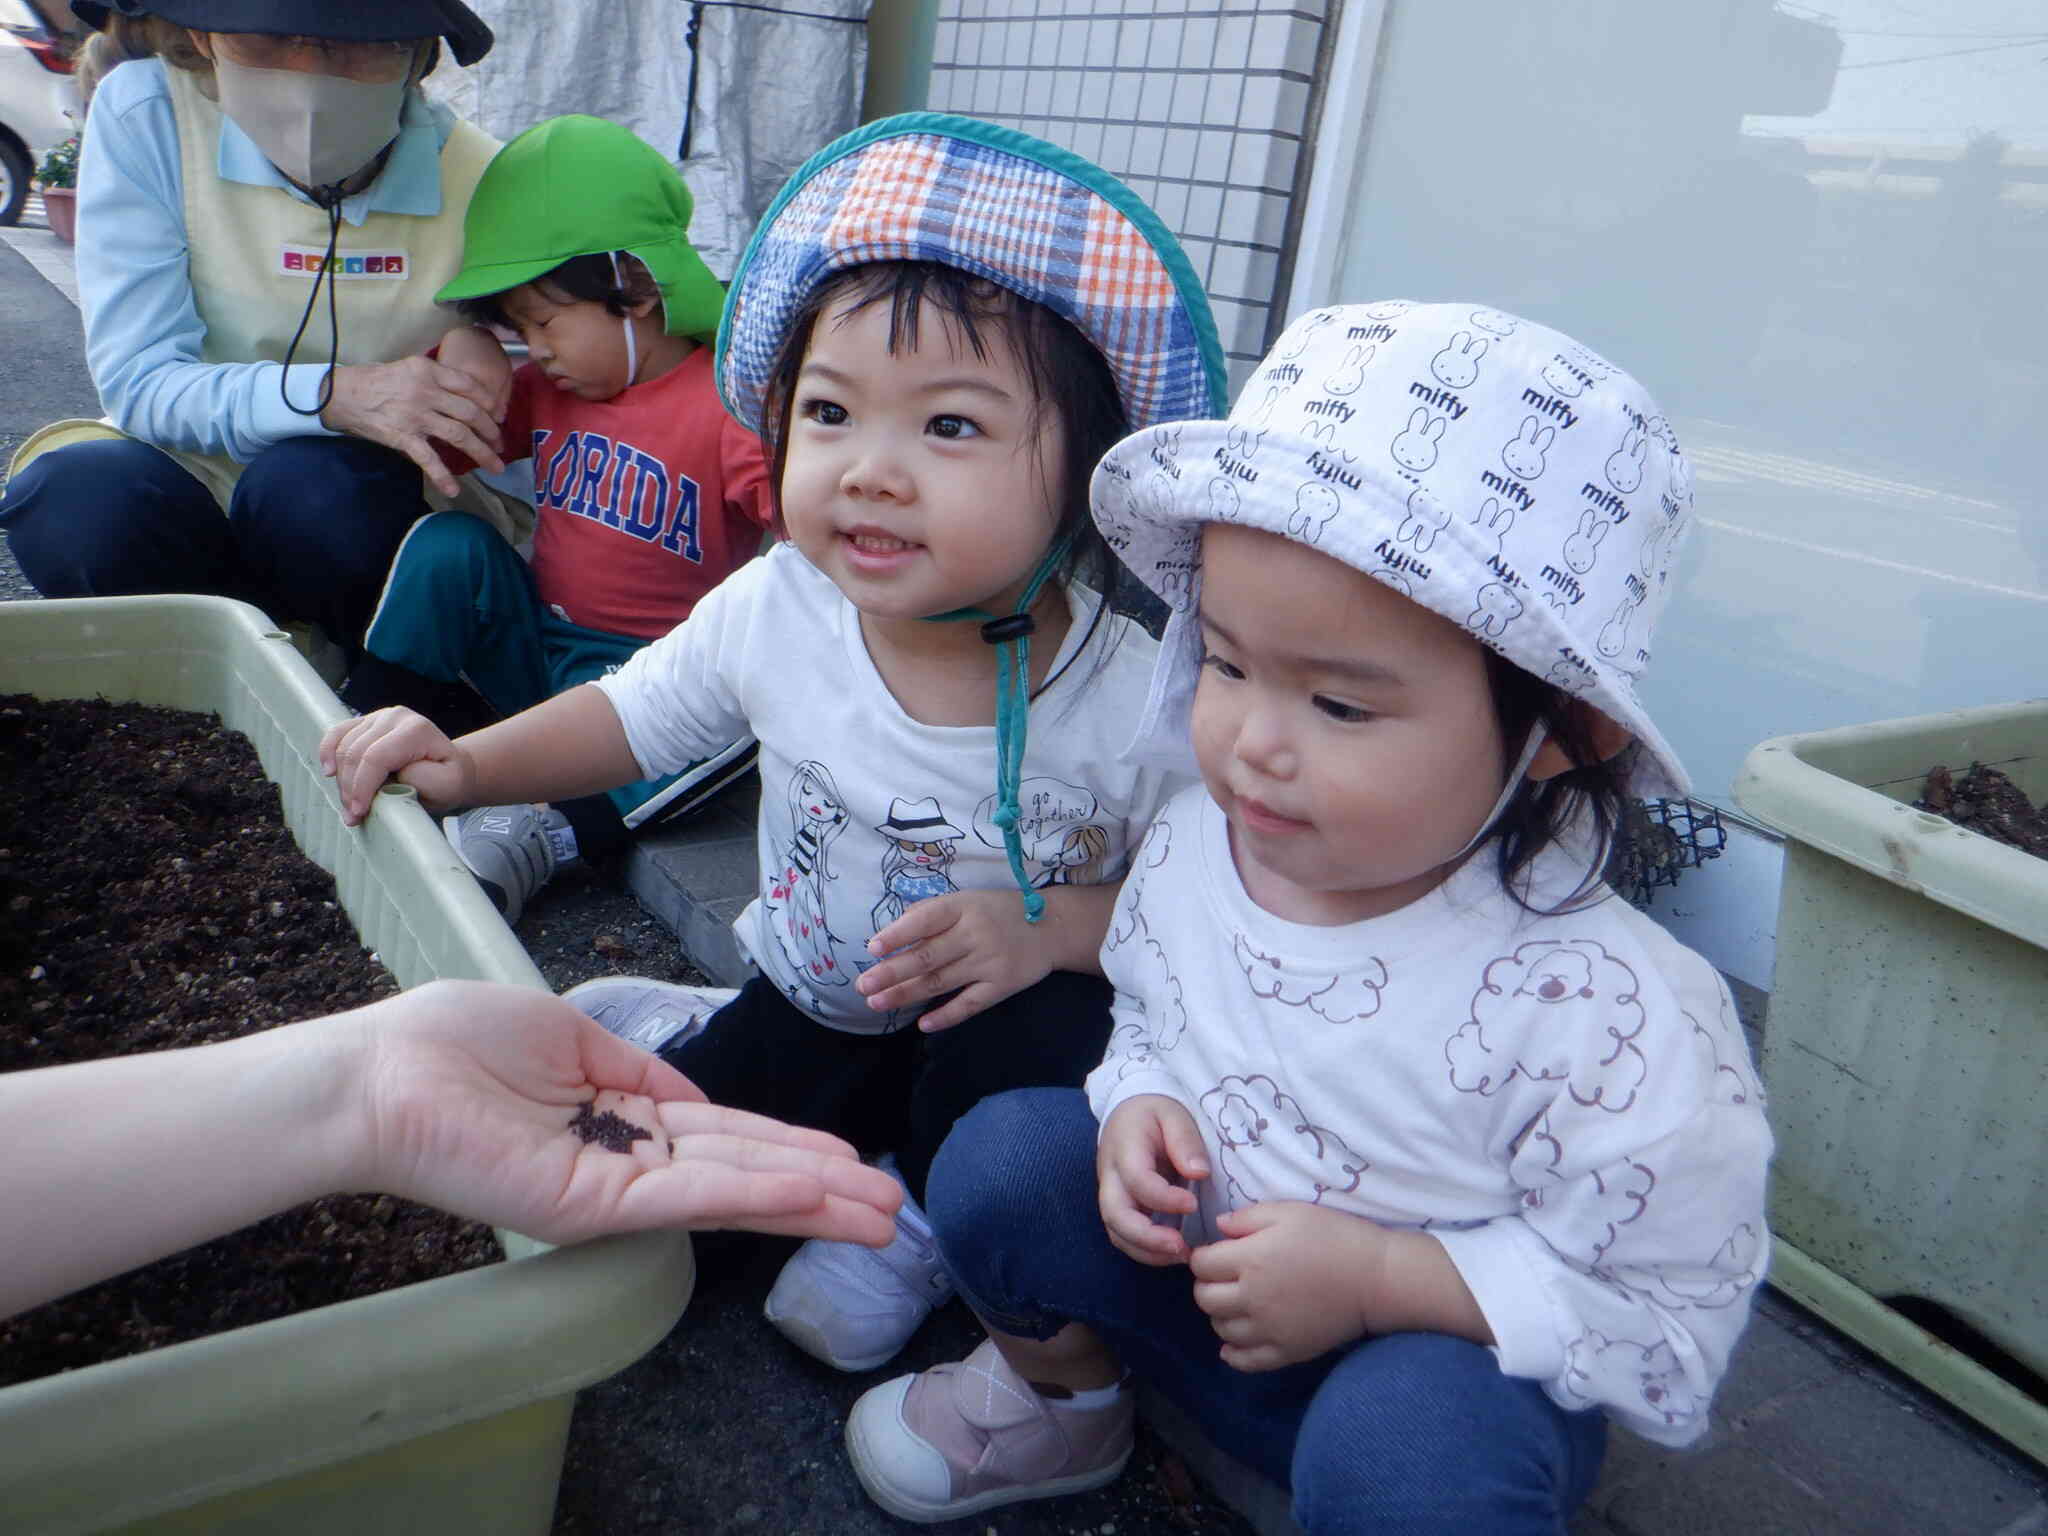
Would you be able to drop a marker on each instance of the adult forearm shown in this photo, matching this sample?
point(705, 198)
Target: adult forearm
point(107, 1165)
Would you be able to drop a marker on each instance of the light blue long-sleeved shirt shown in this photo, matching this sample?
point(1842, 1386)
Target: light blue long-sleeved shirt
point(142, 328)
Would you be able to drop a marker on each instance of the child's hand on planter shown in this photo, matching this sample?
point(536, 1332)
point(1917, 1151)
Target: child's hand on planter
point(498, 1103)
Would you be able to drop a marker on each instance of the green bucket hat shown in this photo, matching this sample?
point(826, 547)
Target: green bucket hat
point(581, 186)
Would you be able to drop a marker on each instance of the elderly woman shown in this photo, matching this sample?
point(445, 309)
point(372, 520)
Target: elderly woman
point(267, 205)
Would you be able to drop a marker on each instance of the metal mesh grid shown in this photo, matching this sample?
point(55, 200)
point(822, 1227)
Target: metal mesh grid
point(1660, 839)
point(1202, 110)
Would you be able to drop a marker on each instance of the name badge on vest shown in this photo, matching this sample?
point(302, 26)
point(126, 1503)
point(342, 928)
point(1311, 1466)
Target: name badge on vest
point(309, 260)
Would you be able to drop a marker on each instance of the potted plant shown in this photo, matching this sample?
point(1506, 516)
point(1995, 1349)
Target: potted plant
point(1906, 1048)
point(57, 178)
point(438, 1406)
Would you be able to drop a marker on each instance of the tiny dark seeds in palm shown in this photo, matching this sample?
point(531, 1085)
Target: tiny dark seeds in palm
point(608, 1130)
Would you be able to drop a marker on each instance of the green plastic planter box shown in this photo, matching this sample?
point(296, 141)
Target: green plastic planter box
point(1906, 1048)
point(436, 1408)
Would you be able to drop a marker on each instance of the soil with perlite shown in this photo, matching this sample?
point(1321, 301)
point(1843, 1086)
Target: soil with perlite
point(1985, 800)
point(150, 898)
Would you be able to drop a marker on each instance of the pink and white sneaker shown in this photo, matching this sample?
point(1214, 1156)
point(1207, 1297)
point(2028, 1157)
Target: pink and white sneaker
point(962, 1438)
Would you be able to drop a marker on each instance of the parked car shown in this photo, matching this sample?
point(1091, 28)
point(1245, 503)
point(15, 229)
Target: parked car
point(38, 99)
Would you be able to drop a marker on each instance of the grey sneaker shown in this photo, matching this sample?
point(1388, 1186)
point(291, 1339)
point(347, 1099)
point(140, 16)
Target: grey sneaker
point(853, 1306)
point(962, 1438)
point(650, 1013)
point(506, 847)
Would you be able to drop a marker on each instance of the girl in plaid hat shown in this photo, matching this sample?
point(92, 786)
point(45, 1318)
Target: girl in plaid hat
point(1415, 1156)
point(938, 328)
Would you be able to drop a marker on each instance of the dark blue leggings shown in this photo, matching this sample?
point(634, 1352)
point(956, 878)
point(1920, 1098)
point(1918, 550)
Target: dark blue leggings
point(1407, 1432)
point(308, 535)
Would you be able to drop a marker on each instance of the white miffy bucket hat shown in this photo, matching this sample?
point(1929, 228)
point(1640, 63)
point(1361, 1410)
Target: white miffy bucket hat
point(1488, 467)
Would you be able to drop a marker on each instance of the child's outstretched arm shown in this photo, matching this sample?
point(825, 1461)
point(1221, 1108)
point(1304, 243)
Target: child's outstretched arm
point(461, 1095)
point(572, 744)
point(980, 943)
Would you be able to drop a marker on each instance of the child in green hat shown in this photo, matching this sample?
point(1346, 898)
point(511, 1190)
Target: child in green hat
point(647, 494)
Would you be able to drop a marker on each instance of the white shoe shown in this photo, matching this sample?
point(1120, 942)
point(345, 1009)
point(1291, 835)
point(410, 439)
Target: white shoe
point(652, 1014)
point(507, 848)
point(853, 1306)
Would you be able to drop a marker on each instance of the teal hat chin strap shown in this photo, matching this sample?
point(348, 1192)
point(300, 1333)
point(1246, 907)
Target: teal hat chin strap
point(1011, 635)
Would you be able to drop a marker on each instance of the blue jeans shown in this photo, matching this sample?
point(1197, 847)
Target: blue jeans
point(1408, 1432)
point(309, 532)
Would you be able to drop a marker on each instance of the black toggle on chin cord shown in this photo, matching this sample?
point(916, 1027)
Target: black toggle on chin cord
point(1010, 627)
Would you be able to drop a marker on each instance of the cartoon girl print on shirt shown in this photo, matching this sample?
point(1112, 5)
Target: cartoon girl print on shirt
point(1071, 856)
point(796, 890)
point(920, 852)
point(1063, 845)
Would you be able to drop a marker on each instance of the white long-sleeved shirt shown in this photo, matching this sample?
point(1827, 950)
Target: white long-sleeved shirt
point(1566, 1103)
point(864, 810)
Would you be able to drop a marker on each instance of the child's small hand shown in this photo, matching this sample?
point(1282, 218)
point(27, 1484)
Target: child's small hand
point(973, 942)
point(1287, 1282)
point(361, 754)
point(1290, 1280)
point(478, 353)
point(1149, 1151)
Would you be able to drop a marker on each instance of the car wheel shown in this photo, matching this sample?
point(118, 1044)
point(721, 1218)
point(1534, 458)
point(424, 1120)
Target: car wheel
point(14, 176)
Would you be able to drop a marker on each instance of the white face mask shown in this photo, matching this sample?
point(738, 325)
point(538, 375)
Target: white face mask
point(318, 129)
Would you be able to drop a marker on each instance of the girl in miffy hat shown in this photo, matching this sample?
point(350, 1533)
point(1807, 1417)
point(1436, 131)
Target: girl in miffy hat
point(938, 328)
point(1415, 1156)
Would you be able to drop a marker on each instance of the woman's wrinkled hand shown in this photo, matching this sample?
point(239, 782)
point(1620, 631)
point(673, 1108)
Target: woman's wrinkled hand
point(413, 403)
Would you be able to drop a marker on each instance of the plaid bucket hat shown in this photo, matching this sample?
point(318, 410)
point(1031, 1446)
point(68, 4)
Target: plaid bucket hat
point(1489, 468)
point(1035, 218)
point(582, 186)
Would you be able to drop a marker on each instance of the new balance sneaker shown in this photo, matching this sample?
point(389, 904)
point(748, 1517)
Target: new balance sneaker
point(650, 1013)
point(508, 849)
point(854, 1307)
point(962, 1438)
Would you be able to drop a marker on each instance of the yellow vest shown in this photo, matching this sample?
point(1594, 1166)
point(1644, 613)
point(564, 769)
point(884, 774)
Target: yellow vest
point(251, 289)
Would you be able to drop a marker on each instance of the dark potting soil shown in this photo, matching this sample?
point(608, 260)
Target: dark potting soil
point(151, 897)
point(1985, 800)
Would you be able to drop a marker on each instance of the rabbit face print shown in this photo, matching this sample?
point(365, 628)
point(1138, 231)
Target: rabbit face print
point(1350, 373)
point(1524, 452)
point(1415, 445)
point(1457, 366)
point(1582, 548)
point(1224, 501)
point(1347, 733)
point(1625, 464)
